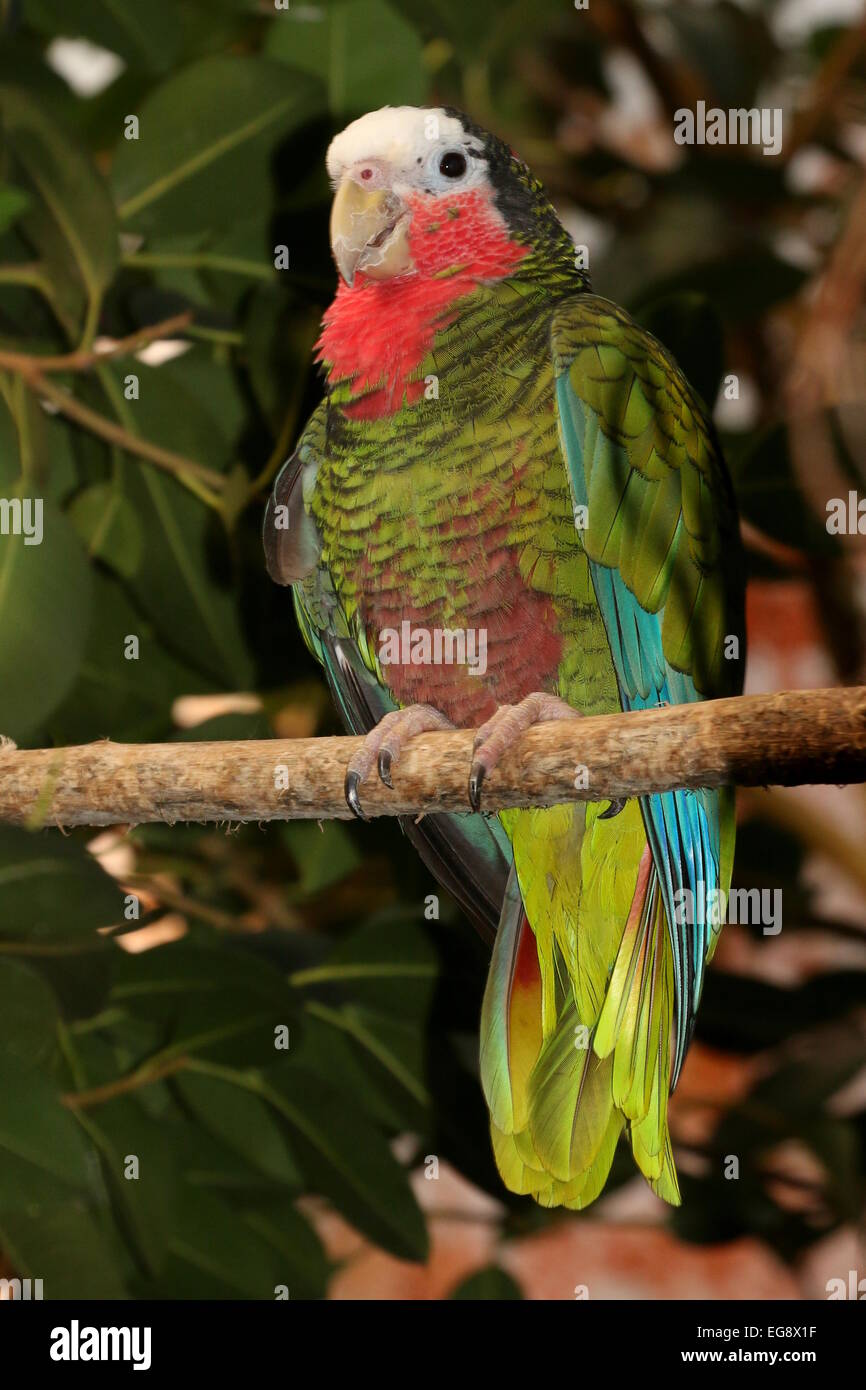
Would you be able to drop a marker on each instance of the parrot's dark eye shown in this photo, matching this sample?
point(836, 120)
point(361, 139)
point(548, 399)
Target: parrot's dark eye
point(453, 164)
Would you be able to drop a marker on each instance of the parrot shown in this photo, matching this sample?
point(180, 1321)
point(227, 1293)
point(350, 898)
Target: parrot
point(504, 457)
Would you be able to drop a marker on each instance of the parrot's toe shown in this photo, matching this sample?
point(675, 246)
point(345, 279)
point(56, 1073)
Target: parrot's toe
point(383, 745)
point(504, 727)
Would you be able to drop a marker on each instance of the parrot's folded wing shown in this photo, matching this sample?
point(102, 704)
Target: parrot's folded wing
point(656, 516)
point(291, 540)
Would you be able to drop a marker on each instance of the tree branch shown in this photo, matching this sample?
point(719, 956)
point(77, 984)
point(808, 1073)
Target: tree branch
point(84, 358)
point(91, 420)
point(144, 1076)
point(816, 736)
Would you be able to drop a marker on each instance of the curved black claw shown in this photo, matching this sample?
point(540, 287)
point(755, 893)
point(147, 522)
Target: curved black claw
point(613, 809)
point(477, 773)
point(350, 788)
point(384, 764)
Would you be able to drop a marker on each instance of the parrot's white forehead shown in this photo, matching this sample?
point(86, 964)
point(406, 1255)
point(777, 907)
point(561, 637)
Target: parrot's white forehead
point(399, 135)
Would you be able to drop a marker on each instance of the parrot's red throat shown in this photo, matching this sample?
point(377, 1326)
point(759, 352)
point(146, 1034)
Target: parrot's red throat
point(377, 333)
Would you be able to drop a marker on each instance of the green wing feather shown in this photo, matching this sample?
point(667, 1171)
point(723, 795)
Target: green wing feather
point(661, 537)
point(617, 972)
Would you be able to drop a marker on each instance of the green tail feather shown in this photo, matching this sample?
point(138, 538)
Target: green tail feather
point(564, 1083)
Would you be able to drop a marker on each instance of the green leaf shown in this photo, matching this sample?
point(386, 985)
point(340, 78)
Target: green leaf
point(147, 1204)
point(205, 375)
point(38, 1138)
point(334, 43)
point(62, 1244)
point(30, 1017)
point(241, 1120)
point(37, 455)
point(226, 726)
point(206, 138)
point(279, 333)
point(397, 1046)
point(13, 201)
point(182, 583)
point(388, 965)
point(348, 1161)
point(489, 1283)
point(219, 1004)
point(333, 1054)
point(211, 1165)
point(52, 473)
point(22, 63)
point(72, 220)
point(469, 27)
point(324, 853)
point(129, 701)
point(52, 890)
point(215, 1254)
point(79, 979)
point(10, 461)
point(216, 267)
point(45, 598)
point(304, 1266)
point(109, 527)
point(158, 983)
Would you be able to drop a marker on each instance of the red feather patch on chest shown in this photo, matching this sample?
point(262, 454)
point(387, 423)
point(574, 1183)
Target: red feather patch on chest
point(510, 631)
point(376, 333)
point(511, 637)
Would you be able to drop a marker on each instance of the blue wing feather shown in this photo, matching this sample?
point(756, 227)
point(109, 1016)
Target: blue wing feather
point(682, 827)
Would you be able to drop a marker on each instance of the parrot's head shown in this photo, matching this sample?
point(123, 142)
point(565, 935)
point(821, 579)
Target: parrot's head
point(427, 192)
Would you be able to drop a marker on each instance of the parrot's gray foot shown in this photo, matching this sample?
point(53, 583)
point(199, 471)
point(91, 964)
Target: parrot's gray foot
point(614, 808)
point(506, 725)
point(384, 744)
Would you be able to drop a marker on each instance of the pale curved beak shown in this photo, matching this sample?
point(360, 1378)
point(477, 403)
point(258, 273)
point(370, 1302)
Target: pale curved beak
point(369, 232)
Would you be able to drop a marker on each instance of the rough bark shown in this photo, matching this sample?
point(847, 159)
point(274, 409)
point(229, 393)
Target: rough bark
point(816, 736)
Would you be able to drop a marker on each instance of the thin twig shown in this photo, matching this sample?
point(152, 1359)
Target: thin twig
point(91, 420)
point(143, 1076)
point(181, 902)
point(83, 359)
